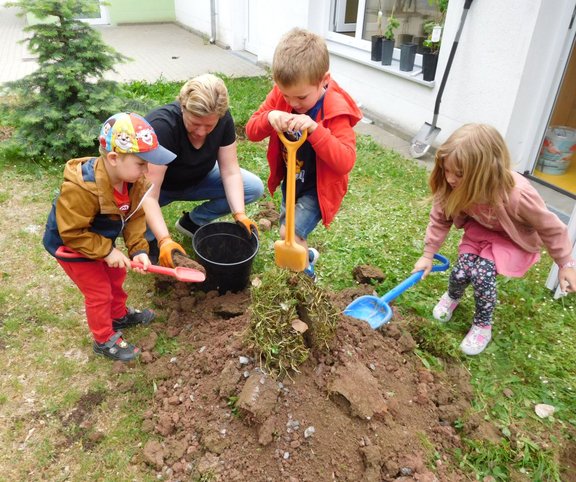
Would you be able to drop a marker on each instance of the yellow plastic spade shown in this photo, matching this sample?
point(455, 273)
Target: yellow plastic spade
point(288, 253)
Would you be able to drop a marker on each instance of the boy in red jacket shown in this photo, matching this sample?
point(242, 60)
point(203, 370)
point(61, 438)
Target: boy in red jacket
point(304, 97)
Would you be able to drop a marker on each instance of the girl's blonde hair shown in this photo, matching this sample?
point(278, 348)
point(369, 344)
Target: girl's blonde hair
point(204, 95)
point(480, 154)
point(300, 56)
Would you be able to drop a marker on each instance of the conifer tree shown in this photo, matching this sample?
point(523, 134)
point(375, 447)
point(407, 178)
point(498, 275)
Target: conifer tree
point(58, 109)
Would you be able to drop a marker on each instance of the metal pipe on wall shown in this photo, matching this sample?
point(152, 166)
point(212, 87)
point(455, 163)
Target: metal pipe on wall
point(212, 39)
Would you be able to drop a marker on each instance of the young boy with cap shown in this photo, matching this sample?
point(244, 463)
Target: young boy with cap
point(100, 199)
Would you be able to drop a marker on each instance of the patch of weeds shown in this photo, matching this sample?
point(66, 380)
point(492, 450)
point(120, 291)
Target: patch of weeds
point(432, 454)
point(505, 461)
point(205, 477)
point(165, 345)
point(429, 361)
point(231, 403)
point(434, 341)
point(45, 453)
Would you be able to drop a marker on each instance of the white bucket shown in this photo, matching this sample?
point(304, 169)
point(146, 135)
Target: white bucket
point(558, 148)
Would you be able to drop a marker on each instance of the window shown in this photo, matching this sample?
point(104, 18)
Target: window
point(355, 21)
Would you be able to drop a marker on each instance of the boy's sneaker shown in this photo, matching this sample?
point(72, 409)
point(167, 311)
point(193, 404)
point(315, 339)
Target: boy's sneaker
point(133, 318)
point(476, 340)
point(445, 307)
point(313, 256)
point(186, 226)
point(116, 348)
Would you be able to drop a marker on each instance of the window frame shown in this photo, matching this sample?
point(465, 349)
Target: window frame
point(358, 49)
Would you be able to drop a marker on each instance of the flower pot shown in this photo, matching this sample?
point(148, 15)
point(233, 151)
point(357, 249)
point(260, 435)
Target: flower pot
point(405, 38)
point(407, 56)
point(419, 41)
point(376, 51)
point(387, 51)
point(429, 63)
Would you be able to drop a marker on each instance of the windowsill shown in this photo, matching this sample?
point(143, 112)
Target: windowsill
point(363, 57)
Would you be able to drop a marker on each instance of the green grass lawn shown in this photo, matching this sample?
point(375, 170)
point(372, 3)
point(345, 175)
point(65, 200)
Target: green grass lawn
point(44, 344)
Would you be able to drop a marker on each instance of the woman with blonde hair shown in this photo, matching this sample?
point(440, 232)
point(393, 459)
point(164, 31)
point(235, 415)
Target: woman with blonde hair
point(505, 223)
point(199, 129)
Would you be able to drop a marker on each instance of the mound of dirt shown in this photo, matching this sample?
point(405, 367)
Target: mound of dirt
point(366, 410)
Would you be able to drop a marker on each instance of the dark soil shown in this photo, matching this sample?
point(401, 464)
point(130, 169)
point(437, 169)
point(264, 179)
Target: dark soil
point(365, 410)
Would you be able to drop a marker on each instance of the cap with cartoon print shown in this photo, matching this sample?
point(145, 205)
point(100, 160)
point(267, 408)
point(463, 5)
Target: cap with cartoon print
point(130, 133)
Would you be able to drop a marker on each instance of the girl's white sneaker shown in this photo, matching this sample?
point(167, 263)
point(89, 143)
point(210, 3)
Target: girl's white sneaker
point(476, 340)
point(445, 307)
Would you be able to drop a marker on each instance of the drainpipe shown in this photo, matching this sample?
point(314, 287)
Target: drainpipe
point(212, 39)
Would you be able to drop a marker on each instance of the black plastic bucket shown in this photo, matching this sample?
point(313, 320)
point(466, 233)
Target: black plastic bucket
point(226, 252)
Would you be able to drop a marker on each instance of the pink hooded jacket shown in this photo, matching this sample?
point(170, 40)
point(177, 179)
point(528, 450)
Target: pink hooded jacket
point(524, 217)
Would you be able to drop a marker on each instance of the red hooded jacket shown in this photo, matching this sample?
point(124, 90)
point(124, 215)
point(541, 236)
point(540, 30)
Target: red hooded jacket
point(333, 141)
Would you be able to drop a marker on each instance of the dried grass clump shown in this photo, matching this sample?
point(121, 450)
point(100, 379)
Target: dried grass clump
point(279, 298)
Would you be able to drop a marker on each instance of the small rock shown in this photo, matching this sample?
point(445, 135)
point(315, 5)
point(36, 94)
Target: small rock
point(365, 274)
point(299, 326)
point(265, 224)
point(543, 410)
point(508, 393)
point(309, 432)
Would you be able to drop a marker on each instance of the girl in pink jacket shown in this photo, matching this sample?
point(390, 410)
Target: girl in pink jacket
point(505, 224)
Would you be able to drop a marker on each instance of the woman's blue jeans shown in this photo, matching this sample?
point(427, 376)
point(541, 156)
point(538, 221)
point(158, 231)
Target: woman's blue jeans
point(211, 189)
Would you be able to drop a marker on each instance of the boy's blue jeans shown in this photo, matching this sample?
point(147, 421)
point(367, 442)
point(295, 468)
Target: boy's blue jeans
point(306, 214)
point(211, 189)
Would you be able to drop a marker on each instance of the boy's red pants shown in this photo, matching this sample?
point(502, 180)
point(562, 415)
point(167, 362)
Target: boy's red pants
point(104, 297)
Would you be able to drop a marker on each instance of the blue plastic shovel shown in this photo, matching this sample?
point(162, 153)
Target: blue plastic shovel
point(376, 311)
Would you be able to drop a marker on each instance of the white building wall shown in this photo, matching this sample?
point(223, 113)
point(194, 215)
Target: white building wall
point(194, 14)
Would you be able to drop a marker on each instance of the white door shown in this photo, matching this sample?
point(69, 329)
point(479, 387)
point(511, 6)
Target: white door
point(252, 41)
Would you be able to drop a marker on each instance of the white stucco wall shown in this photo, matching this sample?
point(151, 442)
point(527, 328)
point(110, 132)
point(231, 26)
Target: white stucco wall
point(194, 14)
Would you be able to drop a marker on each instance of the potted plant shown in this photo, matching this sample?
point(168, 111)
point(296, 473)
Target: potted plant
point(433, 32)
point(376, 51)
point(430, 59)
point(388, 40)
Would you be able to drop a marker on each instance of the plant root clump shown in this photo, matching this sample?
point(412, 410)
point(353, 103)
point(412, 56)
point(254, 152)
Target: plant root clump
point(291, 318)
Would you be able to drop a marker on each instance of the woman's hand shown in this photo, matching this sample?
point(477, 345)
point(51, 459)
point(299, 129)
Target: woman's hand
point(246, 223)
point(167, 247)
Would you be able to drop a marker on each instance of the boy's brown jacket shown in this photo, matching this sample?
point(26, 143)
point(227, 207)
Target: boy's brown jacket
point(85, 216)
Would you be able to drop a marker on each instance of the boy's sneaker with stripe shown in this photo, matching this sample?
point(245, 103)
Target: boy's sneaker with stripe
point(116, 348)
